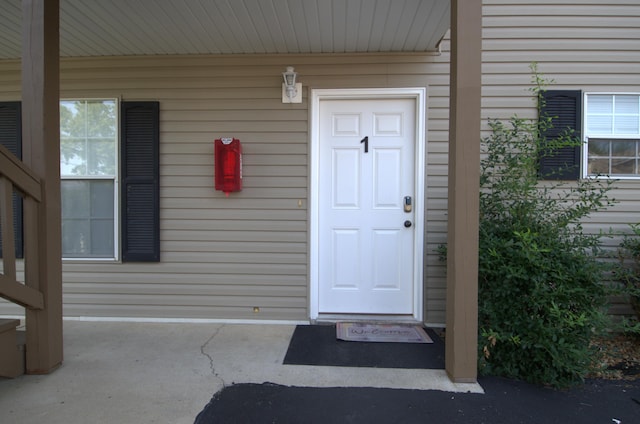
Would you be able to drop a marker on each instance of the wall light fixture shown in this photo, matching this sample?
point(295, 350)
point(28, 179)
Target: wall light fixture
point(291, 91)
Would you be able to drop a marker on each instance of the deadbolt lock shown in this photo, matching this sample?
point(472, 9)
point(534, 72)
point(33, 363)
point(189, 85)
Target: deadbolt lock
point(407, 203)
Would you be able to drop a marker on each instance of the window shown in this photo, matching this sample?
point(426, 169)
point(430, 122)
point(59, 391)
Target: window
point(88, 172)
point(612, 134)
point(110, 202)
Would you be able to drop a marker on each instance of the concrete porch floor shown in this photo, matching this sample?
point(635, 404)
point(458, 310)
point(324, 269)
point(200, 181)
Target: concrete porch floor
point(132, 372)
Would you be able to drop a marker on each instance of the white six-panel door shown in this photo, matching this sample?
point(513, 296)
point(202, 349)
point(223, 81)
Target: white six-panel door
point(366, 236)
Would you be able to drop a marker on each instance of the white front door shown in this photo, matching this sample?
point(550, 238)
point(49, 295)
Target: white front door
point(366, 206)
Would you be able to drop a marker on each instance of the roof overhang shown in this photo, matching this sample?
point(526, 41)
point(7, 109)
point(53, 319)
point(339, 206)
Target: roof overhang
point(158, 27)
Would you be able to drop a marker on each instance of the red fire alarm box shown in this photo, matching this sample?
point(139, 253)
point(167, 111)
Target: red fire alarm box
point(228, 165)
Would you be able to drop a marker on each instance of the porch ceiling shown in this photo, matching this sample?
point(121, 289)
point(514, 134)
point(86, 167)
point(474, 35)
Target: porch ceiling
point(156, 27)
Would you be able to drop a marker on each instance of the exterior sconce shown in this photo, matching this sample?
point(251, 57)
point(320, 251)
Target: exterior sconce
point(291, 91)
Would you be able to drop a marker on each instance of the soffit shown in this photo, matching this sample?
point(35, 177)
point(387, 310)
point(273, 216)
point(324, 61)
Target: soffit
point(157, 27)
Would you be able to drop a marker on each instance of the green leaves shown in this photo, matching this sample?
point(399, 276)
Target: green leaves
point(629, 272)
point(540, 291)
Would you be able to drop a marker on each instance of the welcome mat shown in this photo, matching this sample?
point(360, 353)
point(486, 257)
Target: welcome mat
point(381, 333)
point(318, 345)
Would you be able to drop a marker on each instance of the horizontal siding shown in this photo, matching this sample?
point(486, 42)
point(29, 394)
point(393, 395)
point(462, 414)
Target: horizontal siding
point(224, 256)
point(580, 45)
point(583, 45)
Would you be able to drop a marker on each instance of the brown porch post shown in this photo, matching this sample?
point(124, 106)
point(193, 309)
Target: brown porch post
point(41, 152)
point(464, 174)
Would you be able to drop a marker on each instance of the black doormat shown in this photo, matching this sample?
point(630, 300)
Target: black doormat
point(317, 345)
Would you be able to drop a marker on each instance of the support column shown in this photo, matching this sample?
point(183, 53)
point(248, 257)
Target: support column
point(464, 181)
point(41, 152)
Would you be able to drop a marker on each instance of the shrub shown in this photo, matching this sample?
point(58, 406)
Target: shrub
point(629, 272)
point(540, 291)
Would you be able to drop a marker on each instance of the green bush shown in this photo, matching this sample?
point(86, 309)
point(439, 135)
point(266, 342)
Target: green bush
point(629, 272)
point(540, 291)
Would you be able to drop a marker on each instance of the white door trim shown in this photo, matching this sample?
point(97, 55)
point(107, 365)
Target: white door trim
point(419, 94)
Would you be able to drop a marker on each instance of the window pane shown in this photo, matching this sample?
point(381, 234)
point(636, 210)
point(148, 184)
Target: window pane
point(75, 199)
point(88, 218)
point(599, 148)
point(72, 123)
point(623, 166)
point(627, 105)
point(600, 124)
point(102, 157)
point(102, 199)
point(101, 118)
point(623, 148)
point(73, 157)
point(598, 166)
point(599, 103)
point(75, 238)
point(102, 238)
point(626, 125)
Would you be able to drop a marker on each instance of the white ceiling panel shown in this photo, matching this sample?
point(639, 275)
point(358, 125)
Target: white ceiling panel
point(157, 27)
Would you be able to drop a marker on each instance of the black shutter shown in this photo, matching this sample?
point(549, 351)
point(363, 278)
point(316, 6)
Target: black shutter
point(140, 196)
point(564, 107)
point(11, 138)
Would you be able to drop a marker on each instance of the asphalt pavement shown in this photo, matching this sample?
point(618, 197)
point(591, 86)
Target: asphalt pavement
point(504, 401)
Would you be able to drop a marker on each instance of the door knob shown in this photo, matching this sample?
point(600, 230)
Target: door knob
point(407, 224)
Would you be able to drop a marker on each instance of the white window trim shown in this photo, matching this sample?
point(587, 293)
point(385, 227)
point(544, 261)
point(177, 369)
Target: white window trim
point(586, 136)
point(116, 192)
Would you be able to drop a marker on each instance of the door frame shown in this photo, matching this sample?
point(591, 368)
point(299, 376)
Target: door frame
point(419, 95)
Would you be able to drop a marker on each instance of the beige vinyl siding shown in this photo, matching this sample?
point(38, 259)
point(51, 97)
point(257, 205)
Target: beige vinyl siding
point(221, 257)
point(581, 45)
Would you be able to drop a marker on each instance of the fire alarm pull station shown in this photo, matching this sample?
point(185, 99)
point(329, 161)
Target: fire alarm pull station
point(228, 165)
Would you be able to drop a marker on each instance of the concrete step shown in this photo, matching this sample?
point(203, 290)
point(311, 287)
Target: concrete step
point(12, 353)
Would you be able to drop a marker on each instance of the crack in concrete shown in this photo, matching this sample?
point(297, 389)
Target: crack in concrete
point(211, 366)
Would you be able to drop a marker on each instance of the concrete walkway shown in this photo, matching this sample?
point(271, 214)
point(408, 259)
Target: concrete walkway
point(124, 372)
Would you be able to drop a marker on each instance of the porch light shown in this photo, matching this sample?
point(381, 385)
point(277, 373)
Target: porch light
point(291, 91)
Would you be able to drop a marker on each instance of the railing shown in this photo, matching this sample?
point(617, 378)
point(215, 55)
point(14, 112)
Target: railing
point(16, 177)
